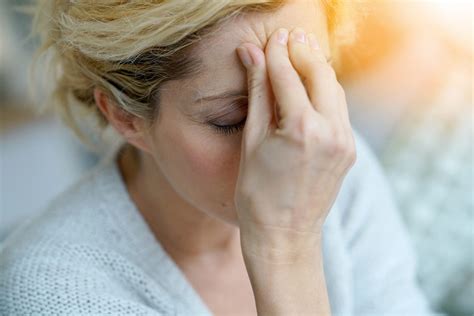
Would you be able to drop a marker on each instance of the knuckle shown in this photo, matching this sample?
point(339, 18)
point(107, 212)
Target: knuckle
point(309, 129)
point(335, 144)
point(338, 148)
point(351, 154)
point(302, 130)
point(353, 147)
point(298, 128)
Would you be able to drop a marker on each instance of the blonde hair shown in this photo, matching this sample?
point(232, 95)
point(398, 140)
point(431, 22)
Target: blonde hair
point(128, 49)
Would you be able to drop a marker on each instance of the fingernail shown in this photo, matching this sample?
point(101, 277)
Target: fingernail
point(313, 42)
point(299, 35)
point(283, 36)
point(244, 56)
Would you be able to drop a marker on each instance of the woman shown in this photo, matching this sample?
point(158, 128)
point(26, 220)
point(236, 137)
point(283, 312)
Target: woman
point(222, 198)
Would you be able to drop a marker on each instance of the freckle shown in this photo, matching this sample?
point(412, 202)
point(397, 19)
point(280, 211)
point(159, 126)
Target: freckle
point(224, 204)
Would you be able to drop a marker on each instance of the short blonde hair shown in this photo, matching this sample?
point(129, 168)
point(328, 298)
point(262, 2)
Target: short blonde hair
point(128, 49)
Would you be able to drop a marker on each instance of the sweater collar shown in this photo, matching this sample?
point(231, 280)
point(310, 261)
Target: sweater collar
point(152, 256)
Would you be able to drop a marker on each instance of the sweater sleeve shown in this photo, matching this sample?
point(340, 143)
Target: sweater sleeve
point(383, 262)
point(66, 279)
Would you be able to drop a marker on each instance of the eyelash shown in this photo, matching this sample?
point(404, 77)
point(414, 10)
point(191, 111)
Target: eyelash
point(229, 129)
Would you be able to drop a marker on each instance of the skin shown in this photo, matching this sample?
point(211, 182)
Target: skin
point(225, 205)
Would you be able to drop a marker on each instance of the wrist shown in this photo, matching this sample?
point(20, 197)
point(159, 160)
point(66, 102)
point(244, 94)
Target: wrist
point(288, 282)
point(280, 247)
point(286, 271)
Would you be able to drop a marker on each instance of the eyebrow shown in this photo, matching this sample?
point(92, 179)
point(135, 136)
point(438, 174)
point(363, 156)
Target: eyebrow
point(223, 96)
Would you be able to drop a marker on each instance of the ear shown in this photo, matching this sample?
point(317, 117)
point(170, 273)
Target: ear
point(128, 125)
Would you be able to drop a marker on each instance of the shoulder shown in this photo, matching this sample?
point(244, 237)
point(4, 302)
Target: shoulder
point(66, 259)
point(66, 217)
point(383, 262)
point(367, 210)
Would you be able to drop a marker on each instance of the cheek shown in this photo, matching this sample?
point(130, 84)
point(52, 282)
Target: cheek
point(212, 157)
point(201, 164)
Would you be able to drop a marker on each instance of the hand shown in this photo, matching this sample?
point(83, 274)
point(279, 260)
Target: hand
point(292, 163)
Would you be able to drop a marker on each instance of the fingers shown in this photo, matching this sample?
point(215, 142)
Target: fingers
point(260, 98)
point(318, 76)
point(326, 94)
point(285, 62)
point(290, 93)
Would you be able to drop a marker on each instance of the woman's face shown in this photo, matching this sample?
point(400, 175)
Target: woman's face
point(198, 158)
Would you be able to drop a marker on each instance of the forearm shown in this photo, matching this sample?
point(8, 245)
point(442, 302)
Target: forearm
point(287, 284)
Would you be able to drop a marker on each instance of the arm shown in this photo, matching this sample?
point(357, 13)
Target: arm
point(291, 169)
point(54, 278)
point(287, 282)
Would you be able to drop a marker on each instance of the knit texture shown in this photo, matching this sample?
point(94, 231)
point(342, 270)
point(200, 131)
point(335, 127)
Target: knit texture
point(91, 252)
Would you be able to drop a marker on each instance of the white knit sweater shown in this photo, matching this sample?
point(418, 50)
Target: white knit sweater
point(91, 252)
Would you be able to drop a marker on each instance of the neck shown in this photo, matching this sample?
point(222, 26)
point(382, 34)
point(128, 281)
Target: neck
point(184, 231)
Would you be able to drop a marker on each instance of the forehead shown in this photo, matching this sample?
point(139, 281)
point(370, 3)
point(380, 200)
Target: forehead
point(222, 69)
point(258, 27)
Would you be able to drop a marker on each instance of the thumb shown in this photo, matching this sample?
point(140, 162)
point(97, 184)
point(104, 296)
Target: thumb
point(260, 115)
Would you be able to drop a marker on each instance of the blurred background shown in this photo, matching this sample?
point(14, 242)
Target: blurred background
point(409, 84)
